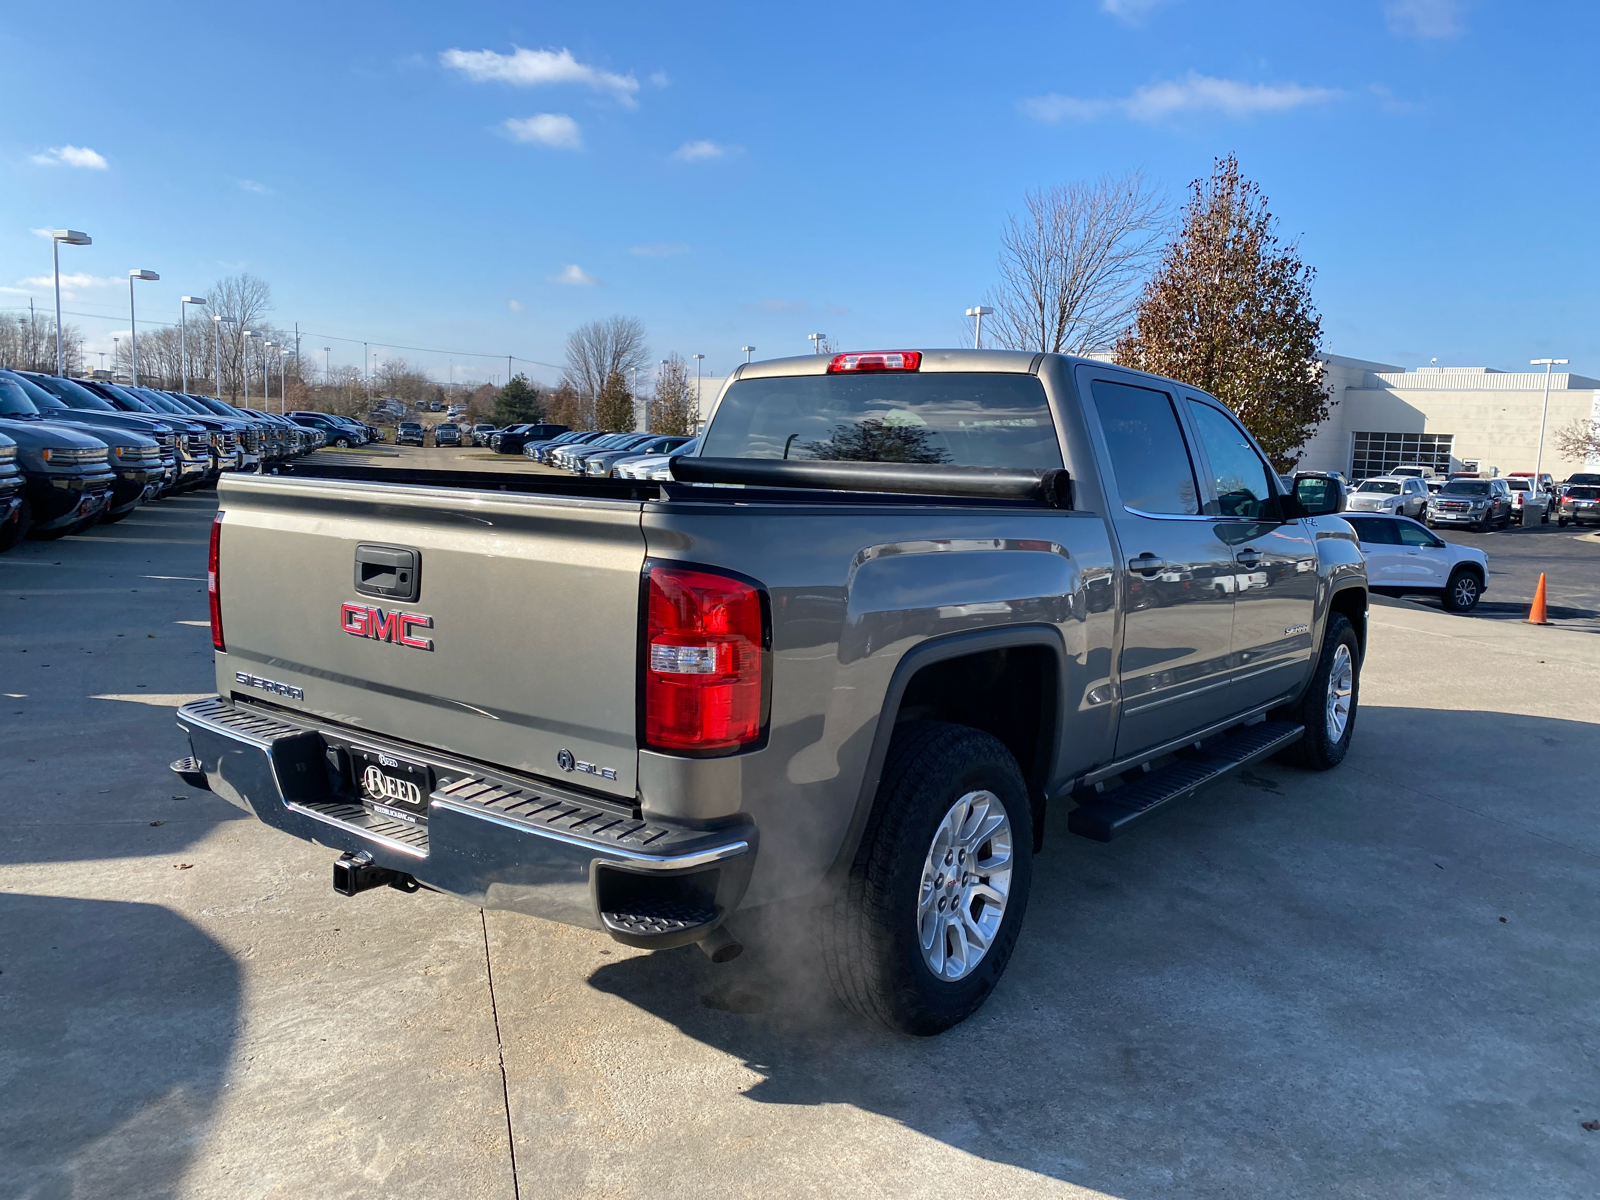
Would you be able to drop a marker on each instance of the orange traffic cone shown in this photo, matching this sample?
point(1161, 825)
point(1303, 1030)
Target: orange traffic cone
point(1536, 615)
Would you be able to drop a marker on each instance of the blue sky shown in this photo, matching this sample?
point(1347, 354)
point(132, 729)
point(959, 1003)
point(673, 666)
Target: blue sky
point(485, 176)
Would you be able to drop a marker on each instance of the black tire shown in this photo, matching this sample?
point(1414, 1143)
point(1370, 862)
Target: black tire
point(1462, 593)
point(343, 443)
point(14, 531)
point(1562, 522)
point(1320, 750)
point(869, 927)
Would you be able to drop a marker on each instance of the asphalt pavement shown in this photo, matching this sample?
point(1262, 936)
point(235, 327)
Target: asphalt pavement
point(1381, 981)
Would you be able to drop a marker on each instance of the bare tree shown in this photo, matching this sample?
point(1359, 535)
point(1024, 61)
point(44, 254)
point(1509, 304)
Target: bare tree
point(243, 301)
point(601, 349)
point(1072, 264)
point(29, 342)
point(1580, 439)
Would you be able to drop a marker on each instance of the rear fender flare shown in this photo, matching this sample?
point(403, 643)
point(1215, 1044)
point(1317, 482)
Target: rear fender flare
point(923, 655)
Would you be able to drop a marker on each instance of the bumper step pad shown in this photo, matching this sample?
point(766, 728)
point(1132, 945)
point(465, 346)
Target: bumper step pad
point(652, 917)
point(1104, 815)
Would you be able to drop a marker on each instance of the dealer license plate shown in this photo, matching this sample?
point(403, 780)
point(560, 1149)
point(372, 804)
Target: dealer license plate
point(392, 787)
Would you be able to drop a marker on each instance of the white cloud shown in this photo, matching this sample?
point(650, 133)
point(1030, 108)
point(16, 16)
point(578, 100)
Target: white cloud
point(699, 151)
point(659, 79)
point(574, 274)
point(659, 249)
point(71, 284)
point(516, 306)
point(1132, 11)
point(539, 68)
point(546, 129)
point(72, 156)
point(250, 185)
point(1424, 18)
point(1193, 94)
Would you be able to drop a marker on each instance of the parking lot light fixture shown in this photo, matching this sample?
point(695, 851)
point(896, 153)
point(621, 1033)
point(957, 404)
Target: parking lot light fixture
point(978, 313)
point(816, 342)
point(266, 378)
point(72, 238)
point(183, 333)
point(1546, 363)
point(748, 351)
point(244, 368)
point(219, 322)
point(133, 325)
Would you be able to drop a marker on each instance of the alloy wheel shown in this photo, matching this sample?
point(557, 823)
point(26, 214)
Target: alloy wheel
point(1341, 685)
point(966, 882)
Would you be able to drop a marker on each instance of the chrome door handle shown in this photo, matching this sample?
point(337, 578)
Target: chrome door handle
point(1248, 558)
point(1146, 564)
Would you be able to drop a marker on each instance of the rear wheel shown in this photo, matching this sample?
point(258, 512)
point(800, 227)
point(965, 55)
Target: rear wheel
point(1328, 709)
point(920, 932)
point(1462, 593)
point(343, 443)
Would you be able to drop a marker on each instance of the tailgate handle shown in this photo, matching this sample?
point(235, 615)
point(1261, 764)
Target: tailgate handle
point(389, 572)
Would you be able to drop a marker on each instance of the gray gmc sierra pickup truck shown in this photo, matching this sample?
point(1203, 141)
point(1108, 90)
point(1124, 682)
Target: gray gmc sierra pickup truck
point(897, 605)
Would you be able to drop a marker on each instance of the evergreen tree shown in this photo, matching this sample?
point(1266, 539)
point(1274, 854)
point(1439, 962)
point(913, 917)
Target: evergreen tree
point(519, 402)
point(673, 411)
point(1229, 310)
point(614, 409)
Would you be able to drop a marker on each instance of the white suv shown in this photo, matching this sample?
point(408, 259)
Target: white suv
point(1403, 495)
point(1406, 559)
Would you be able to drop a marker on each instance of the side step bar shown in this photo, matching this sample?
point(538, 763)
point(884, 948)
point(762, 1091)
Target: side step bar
point(1104, 815)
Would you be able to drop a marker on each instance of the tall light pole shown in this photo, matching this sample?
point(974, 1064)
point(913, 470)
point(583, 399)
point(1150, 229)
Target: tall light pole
point(697, 358)
point(327, 364)
point(116, 353)
point(1546, 363)
point(283, 379)
point(219, 322)
point(748, 351)
point(978, 314)
point(133, 326)
point(266, 376)
point(72, 238)
point(816, 342)
point(183, 332)
point(244, 368)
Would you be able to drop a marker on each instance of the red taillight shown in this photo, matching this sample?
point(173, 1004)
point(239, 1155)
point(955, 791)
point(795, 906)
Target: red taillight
point(888, 360)
point(703, 661)
point(213, 586)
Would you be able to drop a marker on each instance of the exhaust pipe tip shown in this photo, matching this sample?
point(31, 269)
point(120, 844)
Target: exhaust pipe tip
point(720, 946)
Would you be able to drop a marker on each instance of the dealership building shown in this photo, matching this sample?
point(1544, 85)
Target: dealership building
point(1450, 418)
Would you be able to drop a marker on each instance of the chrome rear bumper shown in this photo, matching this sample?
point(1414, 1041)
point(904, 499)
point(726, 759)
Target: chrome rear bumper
point(490, 838)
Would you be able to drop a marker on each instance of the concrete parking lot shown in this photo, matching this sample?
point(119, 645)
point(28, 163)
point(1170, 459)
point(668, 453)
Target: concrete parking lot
point(1379, 982)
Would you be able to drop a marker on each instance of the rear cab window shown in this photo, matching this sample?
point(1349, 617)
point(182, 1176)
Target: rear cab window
point(1150, 461)
point(966, 419)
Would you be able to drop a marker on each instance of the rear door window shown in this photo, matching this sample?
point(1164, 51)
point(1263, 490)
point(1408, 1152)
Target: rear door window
point(1149, 457)
point(1375, 531)
point(965, 419)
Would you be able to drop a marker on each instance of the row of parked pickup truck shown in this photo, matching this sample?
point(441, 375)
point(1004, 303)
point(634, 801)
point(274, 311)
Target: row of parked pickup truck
point(74, 452)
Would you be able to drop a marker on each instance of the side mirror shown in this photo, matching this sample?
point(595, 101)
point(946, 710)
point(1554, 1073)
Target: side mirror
point(1318, 495)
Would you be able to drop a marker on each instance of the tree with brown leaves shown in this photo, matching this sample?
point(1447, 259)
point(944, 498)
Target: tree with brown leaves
point(1229, 311)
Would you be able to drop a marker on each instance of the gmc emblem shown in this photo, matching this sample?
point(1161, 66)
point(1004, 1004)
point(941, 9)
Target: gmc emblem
point(363, 620)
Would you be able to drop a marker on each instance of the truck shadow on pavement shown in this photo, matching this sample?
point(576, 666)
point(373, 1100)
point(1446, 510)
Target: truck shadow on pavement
point(116, 1025)
point(1372, 981)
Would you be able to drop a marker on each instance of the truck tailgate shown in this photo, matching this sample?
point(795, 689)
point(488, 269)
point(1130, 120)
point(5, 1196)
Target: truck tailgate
point(521, 649)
